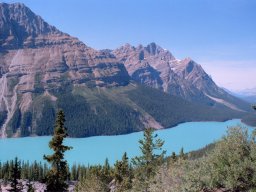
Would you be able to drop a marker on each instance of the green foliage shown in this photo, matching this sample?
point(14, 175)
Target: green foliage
point(91, 184)
point(104, 118)
point(44, 114)
point(103, 178)
point(26, 123)
point(58, 173)
point(15, 175)
point(31, 171)
point(148, 163)
point(123, 174)
point(182, 155)
point(230, 165)
point(173, 157)
point(106, 172)
point(192, 155)
point(92, 178)
point(111, 111)
point(233, 161)
point(170, 110)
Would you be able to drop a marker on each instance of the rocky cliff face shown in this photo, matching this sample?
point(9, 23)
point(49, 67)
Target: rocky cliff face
point(158, 68)
point(31, 48)
point(35, 57)
point(43, 69)
point(19, 27)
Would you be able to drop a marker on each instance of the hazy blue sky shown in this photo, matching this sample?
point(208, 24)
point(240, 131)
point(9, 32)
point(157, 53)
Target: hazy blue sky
point(218, 34)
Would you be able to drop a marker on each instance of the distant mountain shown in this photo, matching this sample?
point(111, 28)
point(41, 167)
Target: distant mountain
point(102, 92)
point(248, 95)
point(247, 92)
point(158, 68)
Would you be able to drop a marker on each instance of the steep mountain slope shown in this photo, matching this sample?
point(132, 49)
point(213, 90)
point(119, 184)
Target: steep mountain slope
point(36, 59)
point(43, 69)
point(158, 68)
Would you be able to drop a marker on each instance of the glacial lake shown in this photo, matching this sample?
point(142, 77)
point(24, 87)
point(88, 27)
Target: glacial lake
point(94, 150)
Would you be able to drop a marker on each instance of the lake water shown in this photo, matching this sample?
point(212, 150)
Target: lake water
point(94, 150)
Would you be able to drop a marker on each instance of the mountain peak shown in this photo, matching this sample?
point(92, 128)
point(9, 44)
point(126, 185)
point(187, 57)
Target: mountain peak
point(153, 48)
point(16, 4)
point(18, 23)
point(187, 59)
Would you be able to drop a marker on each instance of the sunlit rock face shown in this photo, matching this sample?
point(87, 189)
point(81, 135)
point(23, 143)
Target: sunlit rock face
point(36, 58)
point(43, 69)
point(156, 67)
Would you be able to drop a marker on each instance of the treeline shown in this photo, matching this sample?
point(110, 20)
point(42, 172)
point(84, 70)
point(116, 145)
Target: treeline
point(171, 110)
point(102, 116)
point(123, 176)
point(119, 177)
point(106, 117)
point(227, 165)
point(93, 112)
point(35, 171)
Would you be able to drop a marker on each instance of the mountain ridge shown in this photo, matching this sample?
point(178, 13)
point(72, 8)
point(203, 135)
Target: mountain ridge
point(158, 68)
point(43, 69)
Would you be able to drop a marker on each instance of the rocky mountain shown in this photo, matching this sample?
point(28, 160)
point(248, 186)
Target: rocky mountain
point(43, 69)
point(36, 58)
point(158, 68)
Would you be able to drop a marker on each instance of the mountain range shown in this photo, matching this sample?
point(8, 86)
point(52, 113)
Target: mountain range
point(103, 92)
point(248, 95)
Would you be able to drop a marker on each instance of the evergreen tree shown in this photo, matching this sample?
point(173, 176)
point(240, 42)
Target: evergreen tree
point(106, 172)
point(58, 174)
point(74, 172)
point(182, 154)
point(147, 164)
point(173, 157)
point(15, 175)
point(123, 174)
point(254, 131)
point(1, 168)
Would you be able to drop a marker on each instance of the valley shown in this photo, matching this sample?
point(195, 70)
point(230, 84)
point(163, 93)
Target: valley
point(126, 114)
point(111, 91)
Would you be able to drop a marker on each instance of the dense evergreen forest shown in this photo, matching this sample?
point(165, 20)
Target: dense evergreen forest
point(112, 111)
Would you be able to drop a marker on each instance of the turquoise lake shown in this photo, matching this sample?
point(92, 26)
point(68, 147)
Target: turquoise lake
point(94, 150)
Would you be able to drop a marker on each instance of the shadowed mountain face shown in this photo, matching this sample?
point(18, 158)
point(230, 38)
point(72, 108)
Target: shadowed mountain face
point(43, 69)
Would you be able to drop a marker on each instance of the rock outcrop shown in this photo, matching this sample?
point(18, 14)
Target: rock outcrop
point(35, 57)
point(158, 68)
point(43, 69)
